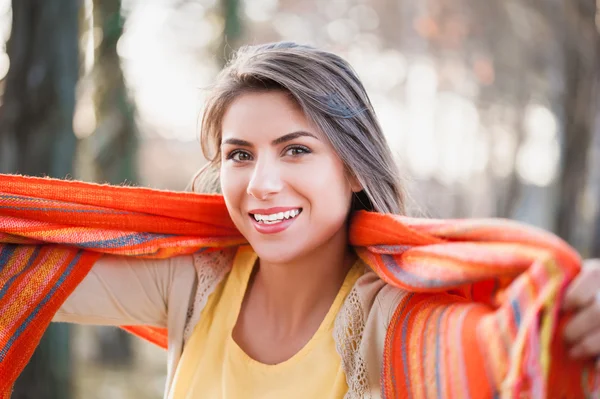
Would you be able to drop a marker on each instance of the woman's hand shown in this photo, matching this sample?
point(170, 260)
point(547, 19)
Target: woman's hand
point(583, 297)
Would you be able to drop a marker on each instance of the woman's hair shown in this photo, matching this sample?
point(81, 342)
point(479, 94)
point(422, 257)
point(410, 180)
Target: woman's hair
point(328, 91)
point(206, 180)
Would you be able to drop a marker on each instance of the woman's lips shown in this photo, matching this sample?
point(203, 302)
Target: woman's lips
point(274, 226)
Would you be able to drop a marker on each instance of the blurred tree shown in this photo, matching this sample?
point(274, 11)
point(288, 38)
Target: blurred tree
point(594, 189)
point(232, 29)
point(114, 141)
point(37, 138)
point(111, 146)
point(37, 111)
point(580, 44)
point(594, 165)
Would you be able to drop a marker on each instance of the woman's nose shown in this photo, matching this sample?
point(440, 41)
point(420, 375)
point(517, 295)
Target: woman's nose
point(265, 181)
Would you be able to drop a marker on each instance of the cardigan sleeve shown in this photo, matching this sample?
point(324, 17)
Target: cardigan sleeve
point(121, 290)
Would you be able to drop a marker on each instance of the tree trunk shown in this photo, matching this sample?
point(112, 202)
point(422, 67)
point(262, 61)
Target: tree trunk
point(594, 166)
point(113, 143)
point(232, 30)
point(37, 135)
point(580, 69)
point(37, 113)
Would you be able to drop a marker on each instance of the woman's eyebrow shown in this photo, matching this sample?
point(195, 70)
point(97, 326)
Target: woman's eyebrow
point(233, 141)
point(292, 136)
point(283, 139)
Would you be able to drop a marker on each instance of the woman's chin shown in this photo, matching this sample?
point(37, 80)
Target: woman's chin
point(275, 258)
point(276, 253)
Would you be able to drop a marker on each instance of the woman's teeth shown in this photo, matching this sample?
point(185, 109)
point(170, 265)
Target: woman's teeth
point(276, 217)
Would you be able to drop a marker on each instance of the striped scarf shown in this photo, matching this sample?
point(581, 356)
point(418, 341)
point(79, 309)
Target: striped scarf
point(481, 320)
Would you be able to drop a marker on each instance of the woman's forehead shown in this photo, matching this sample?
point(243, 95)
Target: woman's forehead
point(259, 116)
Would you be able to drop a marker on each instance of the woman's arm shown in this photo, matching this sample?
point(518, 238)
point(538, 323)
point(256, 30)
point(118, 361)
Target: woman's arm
point(121, 290)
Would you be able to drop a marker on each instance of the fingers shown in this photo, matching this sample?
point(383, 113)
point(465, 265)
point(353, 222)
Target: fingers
point(585, 322)
point(584, 287)
point(589, 346)
point(583, 296)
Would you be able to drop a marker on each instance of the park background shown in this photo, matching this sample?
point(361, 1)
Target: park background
point(490, 108)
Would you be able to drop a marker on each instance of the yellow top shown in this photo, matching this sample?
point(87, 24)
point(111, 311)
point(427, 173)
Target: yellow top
point(214, 366)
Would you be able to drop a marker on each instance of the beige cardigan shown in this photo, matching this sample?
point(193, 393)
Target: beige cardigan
point(172, 292)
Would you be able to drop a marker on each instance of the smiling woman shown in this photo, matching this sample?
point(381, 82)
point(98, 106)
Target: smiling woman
point(298, 312)
point(337, 110)
point(285, 164)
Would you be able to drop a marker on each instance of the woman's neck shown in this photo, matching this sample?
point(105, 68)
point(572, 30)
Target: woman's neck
point(305, 288)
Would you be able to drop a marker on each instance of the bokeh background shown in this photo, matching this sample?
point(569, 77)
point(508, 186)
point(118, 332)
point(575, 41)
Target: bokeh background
point(490, 107)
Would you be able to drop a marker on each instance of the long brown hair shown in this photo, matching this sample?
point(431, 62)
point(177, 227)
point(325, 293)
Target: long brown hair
point(330, 94)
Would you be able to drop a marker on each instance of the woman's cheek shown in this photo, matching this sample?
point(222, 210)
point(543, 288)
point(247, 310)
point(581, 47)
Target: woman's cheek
point(233, 181)
point(233, 192)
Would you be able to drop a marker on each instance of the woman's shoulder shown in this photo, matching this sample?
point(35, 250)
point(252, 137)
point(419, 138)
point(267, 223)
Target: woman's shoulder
point(375, 295)
point(361, 329)
point(214, 260)
point(370, 305)
point(211, 267)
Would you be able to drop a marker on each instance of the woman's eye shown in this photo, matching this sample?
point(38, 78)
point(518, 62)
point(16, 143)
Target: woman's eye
point(297, 150)
point(239, 156)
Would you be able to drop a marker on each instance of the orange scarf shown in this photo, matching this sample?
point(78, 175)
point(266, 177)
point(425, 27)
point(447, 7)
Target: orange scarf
point(482, 319)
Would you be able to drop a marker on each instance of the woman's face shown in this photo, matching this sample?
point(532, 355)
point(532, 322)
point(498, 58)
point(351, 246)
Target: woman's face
point(285, 187)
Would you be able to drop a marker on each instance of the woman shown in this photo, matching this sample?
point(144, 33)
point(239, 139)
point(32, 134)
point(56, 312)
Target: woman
point(298, 148)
